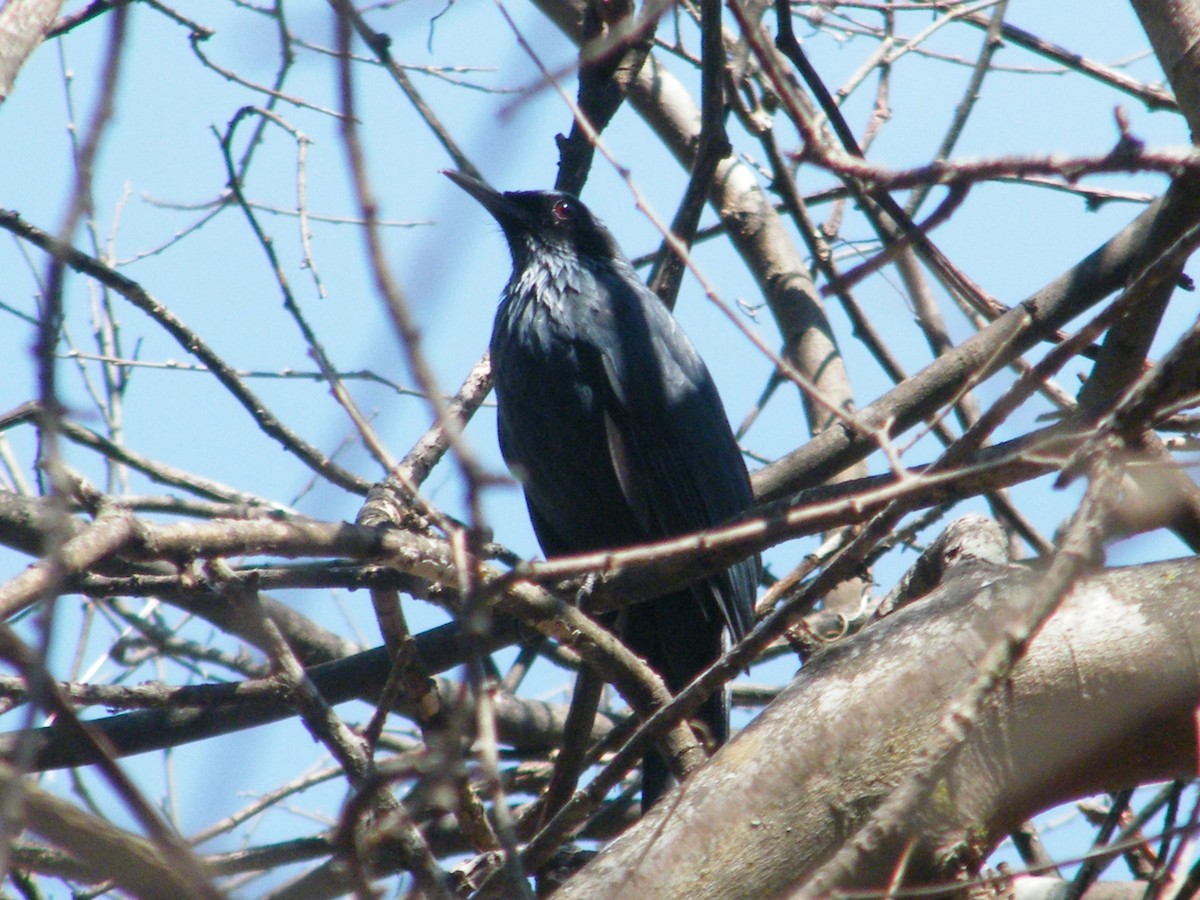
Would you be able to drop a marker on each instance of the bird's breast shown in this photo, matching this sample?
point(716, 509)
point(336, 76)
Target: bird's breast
point(536, 355)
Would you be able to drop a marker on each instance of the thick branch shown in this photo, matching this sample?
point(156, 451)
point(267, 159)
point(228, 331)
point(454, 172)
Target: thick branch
point(785, 793)
point(23, 24)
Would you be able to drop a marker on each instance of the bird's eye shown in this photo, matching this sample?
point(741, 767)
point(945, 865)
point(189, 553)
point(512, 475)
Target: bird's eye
point(563, 210)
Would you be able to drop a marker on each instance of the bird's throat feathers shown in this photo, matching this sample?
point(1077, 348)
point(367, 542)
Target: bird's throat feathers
point(552, 282)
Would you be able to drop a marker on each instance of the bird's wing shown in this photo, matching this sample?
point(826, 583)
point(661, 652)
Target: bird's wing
point(676, 459)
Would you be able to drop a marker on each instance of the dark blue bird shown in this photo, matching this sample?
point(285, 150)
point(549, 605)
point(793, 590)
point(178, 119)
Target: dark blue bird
point(614, 428)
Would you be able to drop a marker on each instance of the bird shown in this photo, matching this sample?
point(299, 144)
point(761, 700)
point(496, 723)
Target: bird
point(613, 426)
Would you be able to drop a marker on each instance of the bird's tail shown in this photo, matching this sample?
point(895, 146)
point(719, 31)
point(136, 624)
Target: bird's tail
point(656, 776)
point(679, 638)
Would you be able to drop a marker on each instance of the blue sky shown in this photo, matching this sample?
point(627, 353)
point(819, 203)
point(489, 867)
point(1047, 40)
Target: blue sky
point(161, 158)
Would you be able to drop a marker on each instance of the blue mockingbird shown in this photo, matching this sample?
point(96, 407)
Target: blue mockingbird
point(614, 428)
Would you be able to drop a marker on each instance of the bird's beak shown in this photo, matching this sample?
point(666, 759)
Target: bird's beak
point(503, 210)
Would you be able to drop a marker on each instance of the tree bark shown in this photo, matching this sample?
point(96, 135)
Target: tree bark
point(1174, 31)
point(23, 25)
point(1105, 698)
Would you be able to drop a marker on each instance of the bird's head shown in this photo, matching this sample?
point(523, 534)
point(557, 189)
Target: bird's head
point(540, 223)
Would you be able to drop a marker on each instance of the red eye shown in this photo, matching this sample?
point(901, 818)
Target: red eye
point(564, 210)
